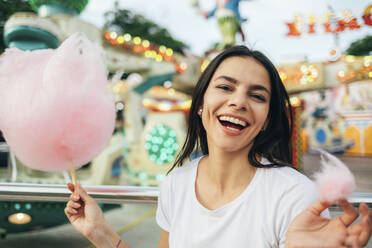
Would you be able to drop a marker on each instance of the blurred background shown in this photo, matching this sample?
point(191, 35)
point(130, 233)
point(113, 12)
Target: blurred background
point(321, 48)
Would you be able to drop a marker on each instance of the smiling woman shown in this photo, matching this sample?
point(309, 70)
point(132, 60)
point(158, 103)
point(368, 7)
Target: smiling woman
point(251, 74)
point(243, 191)
point(235, 104)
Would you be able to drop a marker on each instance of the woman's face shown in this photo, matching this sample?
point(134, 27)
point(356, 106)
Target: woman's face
point(236, 104)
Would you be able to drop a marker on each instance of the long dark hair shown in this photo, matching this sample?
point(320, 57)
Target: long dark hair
point(273, 143)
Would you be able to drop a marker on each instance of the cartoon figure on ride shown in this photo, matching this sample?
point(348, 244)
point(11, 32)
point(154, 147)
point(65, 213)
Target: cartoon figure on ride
point(229, 20)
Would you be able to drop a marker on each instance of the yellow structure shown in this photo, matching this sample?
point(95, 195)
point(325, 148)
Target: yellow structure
point(360, 131)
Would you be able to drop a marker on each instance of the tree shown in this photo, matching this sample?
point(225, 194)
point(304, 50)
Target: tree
point(73, 5)
point(361, 47)
point(8, 8)
point(124, 21)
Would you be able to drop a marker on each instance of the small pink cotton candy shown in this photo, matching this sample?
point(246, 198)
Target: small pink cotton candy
point(55, 107)
point(334, 181)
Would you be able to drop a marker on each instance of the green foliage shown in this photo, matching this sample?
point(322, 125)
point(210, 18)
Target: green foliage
point(77, 5)
point(8, 8)
point(124, 21)
point(361, 47)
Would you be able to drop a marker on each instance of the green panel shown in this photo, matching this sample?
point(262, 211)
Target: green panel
point(28, 45)
point(152, 81)
point(161, 144)
point(30, 37)
point(38, 212)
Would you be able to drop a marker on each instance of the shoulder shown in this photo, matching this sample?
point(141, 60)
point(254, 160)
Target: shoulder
point(291, 188)
point(186, 170)
point(286, 182)
point(289, 174)
point(181, 175)
point(286, 176)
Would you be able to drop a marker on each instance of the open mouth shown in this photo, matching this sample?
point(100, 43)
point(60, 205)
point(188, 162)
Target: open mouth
point(232, 123)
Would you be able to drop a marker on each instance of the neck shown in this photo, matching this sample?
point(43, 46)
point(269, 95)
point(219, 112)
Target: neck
point(228, 170)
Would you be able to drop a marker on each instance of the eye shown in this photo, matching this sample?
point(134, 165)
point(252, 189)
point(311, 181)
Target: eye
point(224, 87)
point(259, 97)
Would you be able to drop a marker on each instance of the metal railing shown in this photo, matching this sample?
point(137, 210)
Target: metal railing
point(60, 193)
point(4, 147)
point(106, 194)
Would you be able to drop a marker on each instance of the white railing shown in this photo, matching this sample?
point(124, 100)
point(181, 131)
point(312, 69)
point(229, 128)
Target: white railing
point(107, 194)
point(4, 147)
point(60, 193)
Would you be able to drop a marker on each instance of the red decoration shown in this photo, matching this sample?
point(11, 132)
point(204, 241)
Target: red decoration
point(348, 21)
point(179, 68)
point(367, 19)
point(138, 49)
point(367, 16)
point(293, 30)
point(342, 25)
point(327, 27)
point(311, 28)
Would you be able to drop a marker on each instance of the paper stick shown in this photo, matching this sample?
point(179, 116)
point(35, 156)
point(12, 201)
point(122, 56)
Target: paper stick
point(72, 172)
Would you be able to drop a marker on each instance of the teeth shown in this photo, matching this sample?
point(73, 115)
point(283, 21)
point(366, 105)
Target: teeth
point(233, 120)
point(234, 129)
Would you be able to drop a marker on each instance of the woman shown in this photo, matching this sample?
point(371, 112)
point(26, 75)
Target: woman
point(243, 192)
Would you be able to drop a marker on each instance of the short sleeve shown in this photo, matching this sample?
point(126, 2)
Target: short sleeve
point(164, 200)
point(295, 200)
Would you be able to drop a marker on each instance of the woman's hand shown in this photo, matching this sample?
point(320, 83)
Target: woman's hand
point(309, 229)
point(87, 217)
point(83, 212)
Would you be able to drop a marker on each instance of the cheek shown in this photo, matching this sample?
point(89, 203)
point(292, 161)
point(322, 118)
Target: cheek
point(261, 113)
point(206, 116)
point(208, 105)
point(213, 100)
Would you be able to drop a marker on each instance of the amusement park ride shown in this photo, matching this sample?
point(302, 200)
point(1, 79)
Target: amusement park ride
point(152, 109)
point(154, 117)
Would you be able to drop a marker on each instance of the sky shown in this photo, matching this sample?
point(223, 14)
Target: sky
point(265, 29)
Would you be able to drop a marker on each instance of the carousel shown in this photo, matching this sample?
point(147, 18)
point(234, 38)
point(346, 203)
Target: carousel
point(151, 121)
point(336, 103)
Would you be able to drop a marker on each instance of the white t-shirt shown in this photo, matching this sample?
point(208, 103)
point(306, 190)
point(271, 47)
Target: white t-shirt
point(259, 217)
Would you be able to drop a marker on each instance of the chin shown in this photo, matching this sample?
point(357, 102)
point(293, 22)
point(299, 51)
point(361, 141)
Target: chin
point(232, 148)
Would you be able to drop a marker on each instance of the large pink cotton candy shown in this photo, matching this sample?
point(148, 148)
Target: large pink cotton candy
point(334, 181)
point(55, 107)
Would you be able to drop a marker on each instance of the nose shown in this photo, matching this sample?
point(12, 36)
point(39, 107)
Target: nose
point(239, 101)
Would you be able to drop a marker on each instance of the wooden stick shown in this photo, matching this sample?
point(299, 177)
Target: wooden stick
point(72, 172)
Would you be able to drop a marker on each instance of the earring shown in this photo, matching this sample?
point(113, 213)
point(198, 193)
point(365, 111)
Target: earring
point(200, 111)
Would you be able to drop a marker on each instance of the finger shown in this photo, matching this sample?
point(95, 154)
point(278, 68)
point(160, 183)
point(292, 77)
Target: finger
point(83, 194)
point(70, 211)
point(365, 233)
point(318, 207)
point(74, 197)
point(354, 229)
point(349, 215)
point(352, 241)
point(74, 205)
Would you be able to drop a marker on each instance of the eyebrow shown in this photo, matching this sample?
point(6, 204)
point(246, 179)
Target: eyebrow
point(230, 79)
point(252, 87)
